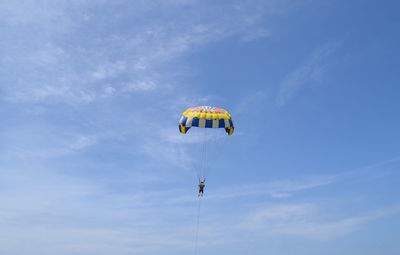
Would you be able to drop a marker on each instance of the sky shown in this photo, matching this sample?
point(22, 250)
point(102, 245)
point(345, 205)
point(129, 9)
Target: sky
point(92, 162)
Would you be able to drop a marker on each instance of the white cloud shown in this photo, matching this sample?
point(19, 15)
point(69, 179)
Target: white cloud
point(49, 54)
point(33, 142)
point(307, 220)
point(109, 70)
point(311, 70)
point(83, 141)
point(129, 60)
point(109, 90)
point(275, 189)
point(142, 85)
point(144, 220)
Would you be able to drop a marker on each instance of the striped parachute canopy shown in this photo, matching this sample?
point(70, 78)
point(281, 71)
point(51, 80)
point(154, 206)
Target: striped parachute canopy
point(206, 117)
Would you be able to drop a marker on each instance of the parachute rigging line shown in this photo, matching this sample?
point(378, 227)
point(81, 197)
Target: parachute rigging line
point(204, 159)
point(202, 166)
point(197, 227)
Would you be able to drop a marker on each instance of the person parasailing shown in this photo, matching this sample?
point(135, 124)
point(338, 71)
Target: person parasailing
point(201, 187)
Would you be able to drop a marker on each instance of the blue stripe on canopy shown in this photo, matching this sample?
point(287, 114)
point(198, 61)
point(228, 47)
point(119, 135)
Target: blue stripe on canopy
point(208, 123)
point(195, 122)
point(184, 121)
point(221, 123)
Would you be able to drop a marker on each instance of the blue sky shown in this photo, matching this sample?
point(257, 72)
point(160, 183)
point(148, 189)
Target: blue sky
point(91, 160)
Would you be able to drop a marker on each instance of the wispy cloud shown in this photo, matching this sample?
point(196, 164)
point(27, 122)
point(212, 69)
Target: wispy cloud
point(275, 189)
point(307, 220)
point(89, 211)
point(311, 70)
point(142, 85)
point(128, 61)
point(44, 141)
point(248, 100)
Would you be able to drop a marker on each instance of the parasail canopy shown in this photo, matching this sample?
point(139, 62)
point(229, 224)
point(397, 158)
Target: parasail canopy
point(206, 117)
